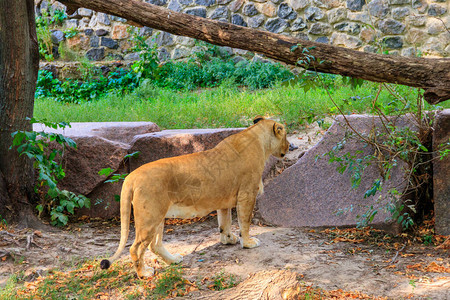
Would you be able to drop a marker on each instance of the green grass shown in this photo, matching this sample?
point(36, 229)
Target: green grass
point(224, 106)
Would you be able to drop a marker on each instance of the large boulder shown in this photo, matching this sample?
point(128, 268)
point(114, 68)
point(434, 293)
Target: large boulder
point(312, 192)
point(441, 174)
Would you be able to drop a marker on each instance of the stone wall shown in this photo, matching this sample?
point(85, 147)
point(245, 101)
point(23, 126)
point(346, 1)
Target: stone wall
point(403, 27)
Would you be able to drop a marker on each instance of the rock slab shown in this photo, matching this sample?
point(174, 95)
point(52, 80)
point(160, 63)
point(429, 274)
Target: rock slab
point(441, 174)
point(312, 192)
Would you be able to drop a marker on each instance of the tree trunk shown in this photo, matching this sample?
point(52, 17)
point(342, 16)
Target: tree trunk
point(432, 75)
point(19, 64)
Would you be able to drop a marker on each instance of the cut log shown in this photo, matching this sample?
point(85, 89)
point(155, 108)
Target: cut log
point(430, 74)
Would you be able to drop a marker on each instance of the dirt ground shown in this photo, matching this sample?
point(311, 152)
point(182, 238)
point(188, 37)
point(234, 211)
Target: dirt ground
point(402, 270)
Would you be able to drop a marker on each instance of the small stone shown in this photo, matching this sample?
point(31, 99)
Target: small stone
point(276, 25)
point(88, 32)
point(157, 2)
point(101, 32)
point(223, 2)
point(180, 52)
point(323, 40)
point(236, 5)
point(78, 42)
point(416, 36)
point(359, 17)
point(174, 5)
point(103, 19)
point(237, 19)
point(164, 39)
point(132, 56)
point(336, 15)
point(95, 54)
point(341, 39)
point(395, 42)
point(302, 36)
point(239, 59)
point(352, 28)
point(274, 1)
point(220, 12)
point(256, 21)
point(298, 4)
point(391, 26)
point(94, 41)
point(367, 35)
point(436, 10)
point(205, 2)
point(298, 25)
point(120, 32)
point(378, 8)
point(118, 19)
point(85, 12)
point(355, 5)
point(197, 11)
point(57, 36)
point(93, 21)
point(73, 23)
point(313, 14)
point(286, 12)
point(400, 2)
point(250, 9)
point(434, 26)
point(400, 13)
point(409, 52)
point(185, 41)
point(370, 49)
point(433, 46)
point(108, 42)
point(320, 29)
point(163, 54)
point(417, 21)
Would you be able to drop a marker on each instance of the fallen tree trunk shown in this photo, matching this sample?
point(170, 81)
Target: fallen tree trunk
point(430, 74)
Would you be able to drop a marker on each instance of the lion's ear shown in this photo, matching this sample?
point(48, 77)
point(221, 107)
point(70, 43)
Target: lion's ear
point(257, 119)
point(278, 129)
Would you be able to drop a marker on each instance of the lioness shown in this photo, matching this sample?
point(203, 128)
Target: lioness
point(193, 185)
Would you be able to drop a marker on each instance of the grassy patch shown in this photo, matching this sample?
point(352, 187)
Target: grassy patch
point(224, 106)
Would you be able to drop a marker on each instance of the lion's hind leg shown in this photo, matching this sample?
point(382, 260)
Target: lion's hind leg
point(137, 250)
point(224, 219)
point(158, 248)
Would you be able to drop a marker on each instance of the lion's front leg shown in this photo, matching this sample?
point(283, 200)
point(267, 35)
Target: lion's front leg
point(158, 248)
point(224, 219)
point(245, 204)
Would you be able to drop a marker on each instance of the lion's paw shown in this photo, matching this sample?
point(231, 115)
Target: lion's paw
point(250, 243)
point(177, 258)
point(228, 239)
point(146, 272)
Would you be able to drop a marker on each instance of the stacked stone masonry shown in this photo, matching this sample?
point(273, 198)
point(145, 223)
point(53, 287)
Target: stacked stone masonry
point(396, 27)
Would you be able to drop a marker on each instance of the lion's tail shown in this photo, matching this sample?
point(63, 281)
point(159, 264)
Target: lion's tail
point(126, 196)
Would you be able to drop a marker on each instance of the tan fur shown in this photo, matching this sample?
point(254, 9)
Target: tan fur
point(193, 185)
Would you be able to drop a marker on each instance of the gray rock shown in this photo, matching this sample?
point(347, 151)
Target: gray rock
point(109, 43)
point(220, 12)
point(320, 29)
point(71, 23)
point(394, 42)
point(57, 36)
point(276, 25)
point(237, 19)
point(157, 2)
point(256, 21)
point(299, 4)
point(163, 54)
point(205, 2)
point(391, 26)
point(101, 32)
point(273, 1)
point(94, 41)
point(236, 5)
point(314, 186)
point(359, 17)
point(250, 9)
point(323, 40)
point(441, 171)
point(174, 5)
point(370, 49)
point(132, 56)
point(145, 31)
point(352, 28)
point(378, 8)
point(85, 12)
point(197, 11)
point(400, 2)
point(400, 13)
point(95, 54)
point(409, 52)
point(103, 19)
point(164, 39)
point(417, 21)
point(223, 2)
point(180, 52)
point(298, 25)
point(313, 14)
point(88, 32)
point(118, 19)
point(302, 36)
point(169, 143)
point(286, 12)
point(336, 15)
point(436, 10)
point(342, 39)
point(355, 5)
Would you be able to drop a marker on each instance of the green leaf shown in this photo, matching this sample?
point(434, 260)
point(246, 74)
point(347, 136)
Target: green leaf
point(105, 172)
